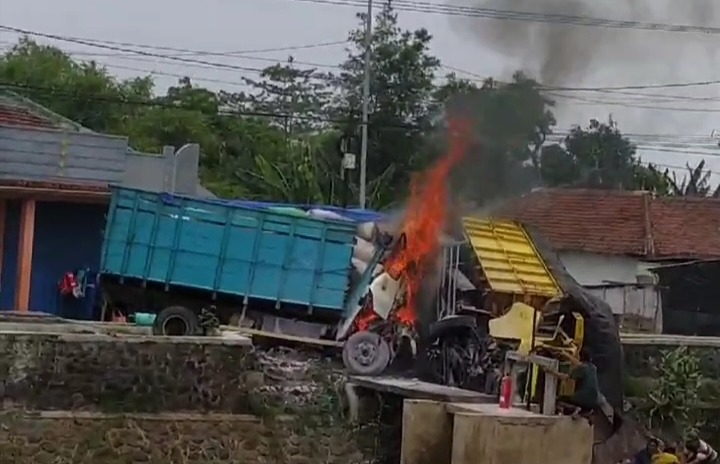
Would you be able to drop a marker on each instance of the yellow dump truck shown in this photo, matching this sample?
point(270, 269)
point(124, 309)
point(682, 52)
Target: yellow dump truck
point(519, 289)
point(524, 299)
point(501, 287)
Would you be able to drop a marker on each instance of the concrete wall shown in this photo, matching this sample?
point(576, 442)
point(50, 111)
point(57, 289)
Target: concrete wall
point(43, 155)
point(47, 155)
point(89, 399)
point(170, 172)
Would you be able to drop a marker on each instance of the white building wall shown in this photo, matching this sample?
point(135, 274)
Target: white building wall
point(637, 306)
point(591, 269)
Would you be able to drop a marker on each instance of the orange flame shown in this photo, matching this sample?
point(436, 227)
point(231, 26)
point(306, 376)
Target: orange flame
point(424, 222)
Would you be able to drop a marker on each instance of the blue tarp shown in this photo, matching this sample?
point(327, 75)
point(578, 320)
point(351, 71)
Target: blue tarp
point(353, 214)
point(356, 215)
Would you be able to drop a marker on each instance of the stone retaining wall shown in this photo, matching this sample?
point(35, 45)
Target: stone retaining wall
point(90, 399)
point(125, 374)
point(77, 438)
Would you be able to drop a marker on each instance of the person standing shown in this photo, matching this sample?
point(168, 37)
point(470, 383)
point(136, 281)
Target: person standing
point(645, 455)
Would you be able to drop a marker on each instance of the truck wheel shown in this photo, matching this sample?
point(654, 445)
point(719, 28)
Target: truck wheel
point(176, 321)
point(366, 353)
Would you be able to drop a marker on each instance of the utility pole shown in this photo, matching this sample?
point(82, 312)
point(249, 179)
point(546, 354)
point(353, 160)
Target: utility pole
point(365, 103)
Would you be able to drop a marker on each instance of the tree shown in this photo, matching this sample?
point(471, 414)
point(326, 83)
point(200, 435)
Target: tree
point(299, 176)
point(598, 156)
point(696, 183)
point(298, 96)
point(82, 92)
point(401, 101)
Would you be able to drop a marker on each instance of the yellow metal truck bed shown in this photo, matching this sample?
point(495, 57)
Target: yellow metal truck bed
point(508, 258)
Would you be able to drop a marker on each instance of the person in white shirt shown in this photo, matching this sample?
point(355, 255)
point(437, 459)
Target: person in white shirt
point(699, 452)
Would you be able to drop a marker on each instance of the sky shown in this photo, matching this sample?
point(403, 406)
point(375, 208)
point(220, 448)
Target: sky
point(672, 126)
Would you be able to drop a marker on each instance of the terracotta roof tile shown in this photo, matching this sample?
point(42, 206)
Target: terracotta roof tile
point(18, 111)
point(11, 115)
point(686, 227)
point(596, 221)
point(622, 223)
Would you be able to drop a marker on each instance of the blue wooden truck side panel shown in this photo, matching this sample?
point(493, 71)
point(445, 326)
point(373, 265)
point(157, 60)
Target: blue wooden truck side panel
point(227, 249)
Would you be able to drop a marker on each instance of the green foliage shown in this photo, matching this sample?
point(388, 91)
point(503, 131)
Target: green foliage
point(599, 156)
point(278, 141)
point(50, 77)
point(401, 87)
point(673, 404)
point(298, 96)
point(696, 183)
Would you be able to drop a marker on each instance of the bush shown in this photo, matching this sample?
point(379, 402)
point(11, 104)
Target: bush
point(673, 405)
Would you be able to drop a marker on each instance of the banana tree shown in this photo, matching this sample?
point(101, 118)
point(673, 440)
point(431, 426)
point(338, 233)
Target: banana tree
point(696, 183)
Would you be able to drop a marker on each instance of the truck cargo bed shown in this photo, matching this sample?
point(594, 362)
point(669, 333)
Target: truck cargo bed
point(227, 250)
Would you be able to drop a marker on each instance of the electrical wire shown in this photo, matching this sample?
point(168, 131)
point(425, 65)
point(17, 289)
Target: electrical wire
point(159, 103)
point(658, 140)
point(556, 137)
point(97, 44)
point(207, 64)
point(632, 105)
point(190, 52)
point(253, 113)
point(511, 15)
point(192, 78)
point(237, 55)
point(109, 45)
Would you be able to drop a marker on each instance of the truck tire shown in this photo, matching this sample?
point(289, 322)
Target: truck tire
point(366, 353)
point(176, 321)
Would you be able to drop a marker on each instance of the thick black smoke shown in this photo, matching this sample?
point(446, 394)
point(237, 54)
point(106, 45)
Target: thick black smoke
point(560, 54)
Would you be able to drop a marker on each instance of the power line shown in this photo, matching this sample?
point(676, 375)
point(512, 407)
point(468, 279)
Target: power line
point(511, 15)
point(636, 106)
point(660, 96)
point(162, 104)
point(109, 45)
point(559, 133)
point(210, 64)
point(133, 55)
point(178, 76)
point(254, 113)
point(97, 44)
point(191, 52)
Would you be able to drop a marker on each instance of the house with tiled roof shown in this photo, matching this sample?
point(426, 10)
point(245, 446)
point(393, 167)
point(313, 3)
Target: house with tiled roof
point(54, 191)
point(610, 240)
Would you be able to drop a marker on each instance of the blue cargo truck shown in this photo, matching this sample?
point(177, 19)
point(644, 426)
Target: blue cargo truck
point(173, 256)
